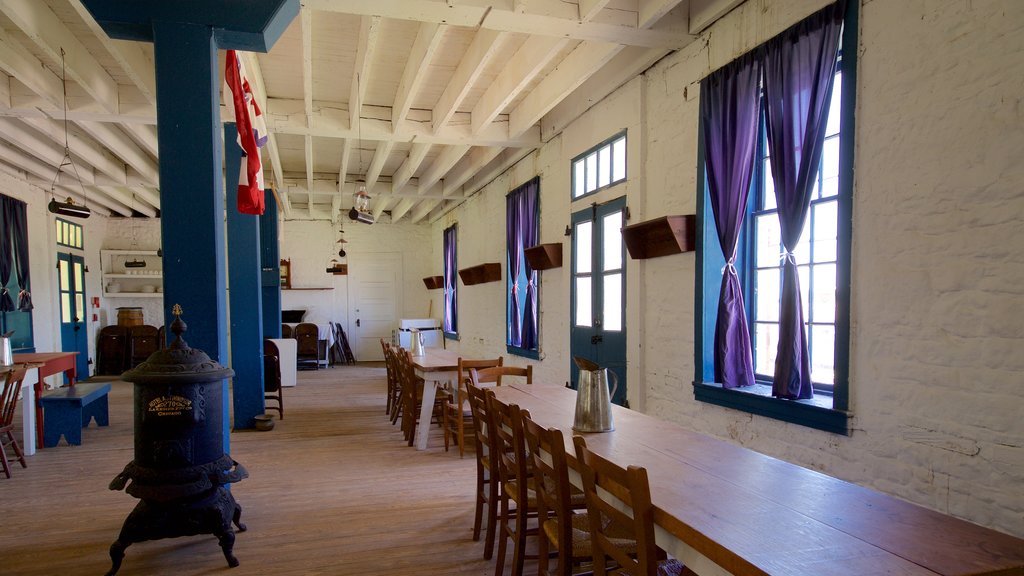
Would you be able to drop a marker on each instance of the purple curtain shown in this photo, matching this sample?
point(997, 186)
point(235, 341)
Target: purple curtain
point(799, 67)
point(529, 225)
point(451, 311)
point(6, 253)
point(513, 253)
point(16, 225)
point(729, 114)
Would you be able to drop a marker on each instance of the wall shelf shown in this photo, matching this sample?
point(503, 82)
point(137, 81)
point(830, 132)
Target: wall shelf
point(128, 281)
point(661, 236)
point(544, 256)
point(481, 273)
point(434, 282)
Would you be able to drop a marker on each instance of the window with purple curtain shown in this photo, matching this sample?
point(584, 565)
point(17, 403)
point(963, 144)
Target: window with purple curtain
point(451, 281)
point(522, 215)
point(792, 257)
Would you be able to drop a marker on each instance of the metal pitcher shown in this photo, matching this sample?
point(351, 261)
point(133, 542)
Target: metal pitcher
point(416, 341)
point(6, 357)
point(593, 400)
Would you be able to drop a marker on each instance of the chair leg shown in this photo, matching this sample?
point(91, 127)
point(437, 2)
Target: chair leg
point(481, 499)
point(459, 431)
point(493, 488)
point(503, 534)
point(3, 460)
point(444, 426)
point(17, 449)
point(519, 543)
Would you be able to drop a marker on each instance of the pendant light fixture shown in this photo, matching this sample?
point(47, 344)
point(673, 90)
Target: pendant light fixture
point(360, 211)
point(68, 207)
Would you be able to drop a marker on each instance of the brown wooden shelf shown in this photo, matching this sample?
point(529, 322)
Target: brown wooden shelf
point(544, 256)
point(480, 273)
point(434, 282)
point(661, 236)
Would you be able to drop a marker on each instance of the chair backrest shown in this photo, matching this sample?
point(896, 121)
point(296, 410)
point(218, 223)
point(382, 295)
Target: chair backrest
point(271, 367)
point(551, 480)
point(9, 397)
point(462, 374)
point(506, 422)
point(605, 484)
point(307, 335)
point(485, 439)
point(144, 342)
point(286, 331)
point(498, 373)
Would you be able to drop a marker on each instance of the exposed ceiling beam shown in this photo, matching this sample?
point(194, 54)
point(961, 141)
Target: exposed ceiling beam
point(441, 165)
point(412, 163)
point(704, 13)
point(484, 46)
point(15, 155)
point(132, 58)
point(145, 136)
point(346, 155)
point(380, 156)
point(328, 188)
point(369, 28)
point(119, 143)
point(308, 154)
point(476, 160)
point(18, 62)
point(416, 67)
point(85, 151)
point(558, 19)
point(29, 141)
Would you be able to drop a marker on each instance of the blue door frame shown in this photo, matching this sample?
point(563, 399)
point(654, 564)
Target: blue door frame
point(71, 299)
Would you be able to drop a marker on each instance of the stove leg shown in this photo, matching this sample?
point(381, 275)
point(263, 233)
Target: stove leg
point(116, 556)
point(237, 517)
point(227, 543)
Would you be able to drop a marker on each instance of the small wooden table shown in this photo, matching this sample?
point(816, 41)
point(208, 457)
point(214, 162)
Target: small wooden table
point(50, 363)
point(724, 509)
point(436, 366)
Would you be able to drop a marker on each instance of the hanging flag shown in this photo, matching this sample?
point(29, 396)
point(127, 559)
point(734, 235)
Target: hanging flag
point(252, 135)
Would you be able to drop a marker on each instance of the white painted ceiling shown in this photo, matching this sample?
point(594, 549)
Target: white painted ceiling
point(422, 101)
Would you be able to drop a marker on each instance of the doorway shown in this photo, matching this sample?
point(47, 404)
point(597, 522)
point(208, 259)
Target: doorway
point(72, 298)
point(374, 301)
point(598, 291)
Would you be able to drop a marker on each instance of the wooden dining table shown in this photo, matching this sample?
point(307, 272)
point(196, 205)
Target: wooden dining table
point(49, 363)
point(725, 509)
point(437, 367)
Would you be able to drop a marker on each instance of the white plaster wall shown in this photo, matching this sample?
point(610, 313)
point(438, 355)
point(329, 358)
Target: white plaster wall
point(938, 290)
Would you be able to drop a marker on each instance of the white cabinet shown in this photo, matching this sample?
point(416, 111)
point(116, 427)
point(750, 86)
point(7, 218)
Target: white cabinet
point(132, 273)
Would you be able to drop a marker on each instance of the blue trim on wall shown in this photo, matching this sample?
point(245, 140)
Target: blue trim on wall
point(244, 295)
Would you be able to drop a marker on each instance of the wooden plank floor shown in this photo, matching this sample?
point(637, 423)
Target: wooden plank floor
point(332, 490)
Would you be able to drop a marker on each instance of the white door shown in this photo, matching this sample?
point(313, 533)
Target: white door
point(374, 301)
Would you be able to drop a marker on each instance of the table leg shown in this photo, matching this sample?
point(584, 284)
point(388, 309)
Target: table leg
point(28, 414)
point(423, 429)
point(38, 419)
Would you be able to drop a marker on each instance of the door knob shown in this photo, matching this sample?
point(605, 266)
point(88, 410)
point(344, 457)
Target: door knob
point(357, 322)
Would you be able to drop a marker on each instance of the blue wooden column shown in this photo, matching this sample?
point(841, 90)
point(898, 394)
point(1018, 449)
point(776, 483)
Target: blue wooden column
point(244, 297)
point(186, 36)
point(270, 260)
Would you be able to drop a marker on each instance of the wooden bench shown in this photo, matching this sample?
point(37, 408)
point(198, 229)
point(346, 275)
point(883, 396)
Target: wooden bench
point(67, 410)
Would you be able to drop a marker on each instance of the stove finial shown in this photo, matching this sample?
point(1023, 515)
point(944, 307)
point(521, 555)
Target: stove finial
point(178, 327)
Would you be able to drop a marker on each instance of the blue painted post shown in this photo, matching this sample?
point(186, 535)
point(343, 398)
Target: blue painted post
point(244, 293)
point(271, 260)
point(191, 193)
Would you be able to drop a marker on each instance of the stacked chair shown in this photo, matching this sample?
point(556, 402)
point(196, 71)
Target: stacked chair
point(272, 389)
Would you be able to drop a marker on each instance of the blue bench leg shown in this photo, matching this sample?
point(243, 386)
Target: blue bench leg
point(96, 409)
point(62, 420)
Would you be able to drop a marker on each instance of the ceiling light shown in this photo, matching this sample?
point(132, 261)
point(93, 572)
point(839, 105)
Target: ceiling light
point(68, 208)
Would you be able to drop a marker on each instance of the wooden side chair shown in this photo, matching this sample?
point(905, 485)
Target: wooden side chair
point(563, 530)
point(412, 396)
point(286, 331)
point(605, 485)
point(272, 389)
point(112, 350)
point(397, 398)
point(487, 481)
point(514, 472)
point(392, 377)
point(8, 403)
point(498, 373)
point(142, 342)
point(307, 351)
point(456, 416)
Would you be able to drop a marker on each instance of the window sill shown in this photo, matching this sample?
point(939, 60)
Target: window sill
point(516, 351)
point(814, 413)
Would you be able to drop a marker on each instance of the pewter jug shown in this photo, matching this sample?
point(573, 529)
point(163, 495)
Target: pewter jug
point(416, 341)
point(6, 357)
point(593, 399)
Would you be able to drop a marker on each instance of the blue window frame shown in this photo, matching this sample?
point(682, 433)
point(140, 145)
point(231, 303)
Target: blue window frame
point(451, 283)
point(823, 258)
point(600, 167)
point(68, 234)
point(522, 298)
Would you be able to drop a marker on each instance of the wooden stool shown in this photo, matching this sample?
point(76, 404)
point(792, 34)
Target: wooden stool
point(67, 410)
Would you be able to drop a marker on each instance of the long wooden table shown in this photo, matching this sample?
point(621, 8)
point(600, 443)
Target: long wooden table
point(437, 366)
point(49, 363)
point(725, 509)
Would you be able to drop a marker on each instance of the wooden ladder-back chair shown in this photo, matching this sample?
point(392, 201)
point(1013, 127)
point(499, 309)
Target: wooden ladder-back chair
point(412, 396)
point(112, 350)
point(514, 472)
point(142, 342)
point(605, 485)
point(487, 481)
point(272, 389)
point(397, 398)
point(8, 403)
point(392, 377)
point(307, 351)
point(456, 415)
point(562, 529)
point(498, 373)
point(286, 331)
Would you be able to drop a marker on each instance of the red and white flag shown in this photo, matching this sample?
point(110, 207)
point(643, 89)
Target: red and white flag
point(252, 135)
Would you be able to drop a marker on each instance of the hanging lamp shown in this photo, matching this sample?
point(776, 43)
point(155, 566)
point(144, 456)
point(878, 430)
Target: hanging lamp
point(68, 207)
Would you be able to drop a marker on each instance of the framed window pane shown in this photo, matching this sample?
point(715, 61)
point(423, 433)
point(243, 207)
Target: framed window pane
point(584, 302)
point(78, 237)
point(769, 240)
point(766, 347)
point(612, 302)
point(579, 180)
point(805, 290)
point(583, 236)
point(826, 221)
point(612, 241)
point(591, 172)
point(57, 230)
point(619, 159)
point(79, 305)
point(604, 165)
point(65, 307)
point(823, 306)
point(803, 247)
point(769, 186)
point(830, 168)
point(62, 274)
point(79, 277)
point(768, 294)
point(832, 127)
point(822, 340)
